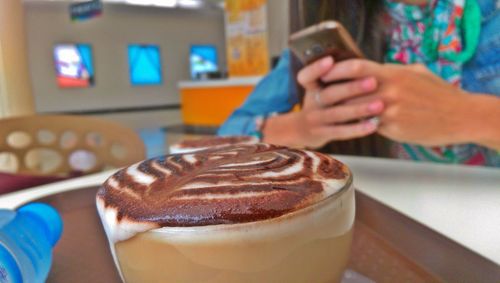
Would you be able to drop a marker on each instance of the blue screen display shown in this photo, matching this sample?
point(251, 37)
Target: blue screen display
point(203, 59)
point(144, 64)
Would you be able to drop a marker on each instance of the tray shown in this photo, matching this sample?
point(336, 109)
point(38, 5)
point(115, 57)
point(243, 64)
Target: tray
point(387, 247)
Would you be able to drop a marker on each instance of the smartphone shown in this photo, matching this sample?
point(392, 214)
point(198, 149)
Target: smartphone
point(327, 38)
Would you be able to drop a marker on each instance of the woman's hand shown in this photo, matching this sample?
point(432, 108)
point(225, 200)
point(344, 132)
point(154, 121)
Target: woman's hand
point(325, 115)
point(421, 108)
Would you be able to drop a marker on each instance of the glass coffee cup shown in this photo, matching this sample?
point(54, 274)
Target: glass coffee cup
point(308, 244)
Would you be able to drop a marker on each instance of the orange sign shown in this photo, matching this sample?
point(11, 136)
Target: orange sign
point(246, 37)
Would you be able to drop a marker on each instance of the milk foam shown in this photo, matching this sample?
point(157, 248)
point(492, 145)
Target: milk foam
point(124, 228)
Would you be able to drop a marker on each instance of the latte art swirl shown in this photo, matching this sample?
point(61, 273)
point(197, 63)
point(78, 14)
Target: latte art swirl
point(230, 185)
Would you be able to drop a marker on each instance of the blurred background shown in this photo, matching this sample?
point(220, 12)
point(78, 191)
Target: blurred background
point(164, 41)
point(168, 69)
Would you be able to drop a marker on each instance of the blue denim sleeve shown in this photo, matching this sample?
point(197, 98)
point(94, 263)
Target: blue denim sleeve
point(275, 93)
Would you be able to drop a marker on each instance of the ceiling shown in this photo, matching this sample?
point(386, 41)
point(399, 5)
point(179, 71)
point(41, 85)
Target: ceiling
point(188, 4)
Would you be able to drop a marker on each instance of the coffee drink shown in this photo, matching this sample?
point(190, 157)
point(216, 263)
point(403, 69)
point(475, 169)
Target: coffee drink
point(210, 142)
point(243, 213)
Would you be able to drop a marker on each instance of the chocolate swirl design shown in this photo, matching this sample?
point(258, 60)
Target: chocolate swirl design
point(234, 184)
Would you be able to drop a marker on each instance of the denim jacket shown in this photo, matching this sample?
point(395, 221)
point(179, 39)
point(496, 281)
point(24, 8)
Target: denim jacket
point(275, 92)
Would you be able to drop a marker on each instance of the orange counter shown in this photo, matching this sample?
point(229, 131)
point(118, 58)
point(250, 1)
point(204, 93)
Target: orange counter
point(210, 102)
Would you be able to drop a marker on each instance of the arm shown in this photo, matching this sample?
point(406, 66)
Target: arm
point(422, 108)
point(273, 94)
point(480, 120)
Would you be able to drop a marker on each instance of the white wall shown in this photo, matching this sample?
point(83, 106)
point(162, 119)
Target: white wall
point(173, 30)
point(15, 87)
point(278, 25)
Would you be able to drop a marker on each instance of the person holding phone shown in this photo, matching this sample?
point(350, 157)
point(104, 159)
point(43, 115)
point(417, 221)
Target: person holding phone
point(436, 94)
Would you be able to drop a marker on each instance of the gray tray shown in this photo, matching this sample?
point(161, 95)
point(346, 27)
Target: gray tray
point(387, 247)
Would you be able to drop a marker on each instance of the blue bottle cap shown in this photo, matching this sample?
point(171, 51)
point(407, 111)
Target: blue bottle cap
point(50, 218)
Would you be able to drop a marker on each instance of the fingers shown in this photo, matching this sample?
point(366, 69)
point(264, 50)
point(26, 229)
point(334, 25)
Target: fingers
point(353, 69)
point(364, 99)
point(349, 90)
point(346, 113)
point(309, 76)
point(345, 132)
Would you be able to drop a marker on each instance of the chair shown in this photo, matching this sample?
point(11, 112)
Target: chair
point(44, 148)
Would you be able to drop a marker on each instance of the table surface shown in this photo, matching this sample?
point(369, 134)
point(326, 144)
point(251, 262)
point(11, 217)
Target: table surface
point(459, 202)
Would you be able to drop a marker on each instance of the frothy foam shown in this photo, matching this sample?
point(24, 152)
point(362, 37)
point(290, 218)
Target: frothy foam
point(231, 185)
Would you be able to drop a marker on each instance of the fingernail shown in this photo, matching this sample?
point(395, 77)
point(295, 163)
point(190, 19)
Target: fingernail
point(369, 84)
point(369, 126)
point(375, 107)
point(374, 121)
point(326, 62)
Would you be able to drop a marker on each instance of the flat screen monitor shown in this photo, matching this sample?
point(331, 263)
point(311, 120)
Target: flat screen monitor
point(74, 68)
point(144, 64)
point(203, 59)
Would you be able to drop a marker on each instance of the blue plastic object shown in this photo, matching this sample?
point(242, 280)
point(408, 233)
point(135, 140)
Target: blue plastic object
point(27, 237)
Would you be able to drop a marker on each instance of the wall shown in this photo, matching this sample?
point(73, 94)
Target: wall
point(278, 25)
point(172, 29)
point(15, 86)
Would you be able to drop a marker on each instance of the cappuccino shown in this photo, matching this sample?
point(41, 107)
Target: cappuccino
point(244, 213)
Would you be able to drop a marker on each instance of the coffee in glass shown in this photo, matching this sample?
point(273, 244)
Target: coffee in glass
point(243, 213)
